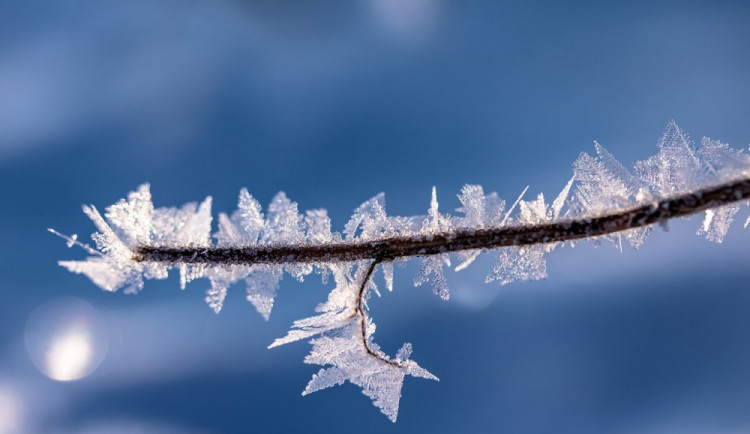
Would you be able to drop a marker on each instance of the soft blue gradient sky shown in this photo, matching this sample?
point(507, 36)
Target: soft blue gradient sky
point(334, 103)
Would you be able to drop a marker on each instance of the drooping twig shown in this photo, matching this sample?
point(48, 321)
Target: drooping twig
point(360, 311)
point(456, 240)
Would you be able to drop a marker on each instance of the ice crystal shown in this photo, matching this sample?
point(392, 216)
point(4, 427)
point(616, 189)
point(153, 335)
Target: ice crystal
point(676, 167)
point(318, 227)
point(480, 211)
point(135, 222)
point(527, 262)
point(721, 162)
point(380, 378)
point(345, 342)
point(341, 331)
point(680, 167)
point(431, 269)
point(336, 312)
point(603, 184)
point(370, 220)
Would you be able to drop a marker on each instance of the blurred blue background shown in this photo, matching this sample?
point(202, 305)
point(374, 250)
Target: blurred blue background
point(334, 102)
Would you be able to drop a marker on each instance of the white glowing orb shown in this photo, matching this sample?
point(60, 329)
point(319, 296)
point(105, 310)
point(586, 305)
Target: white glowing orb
point(66, 338)
point(69, 356)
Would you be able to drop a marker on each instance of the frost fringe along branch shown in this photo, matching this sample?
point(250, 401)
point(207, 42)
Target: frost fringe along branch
point(603, 200)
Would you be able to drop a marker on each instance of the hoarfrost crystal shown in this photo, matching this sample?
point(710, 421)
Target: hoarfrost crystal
point(431, 268)
point(380, 379)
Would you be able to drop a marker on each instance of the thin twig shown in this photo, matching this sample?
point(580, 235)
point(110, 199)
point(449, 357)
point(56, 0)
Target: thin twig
point(360, 311)
point(390, 248)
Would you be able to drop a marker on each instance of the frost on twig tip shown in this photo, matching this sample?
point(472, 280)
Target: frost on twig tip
point(135, 241)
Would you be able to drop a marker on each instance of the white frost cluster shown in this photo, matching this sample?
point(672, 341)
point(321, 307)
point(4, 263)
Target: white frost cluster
point(135, 222)
point(341, 335)
point(341, 332)
point(380, 380)
point(603, 184)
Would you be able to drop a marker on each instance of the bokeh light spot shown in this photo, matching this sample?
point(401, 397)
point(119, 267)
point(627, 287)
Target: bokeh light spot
point(66, 338)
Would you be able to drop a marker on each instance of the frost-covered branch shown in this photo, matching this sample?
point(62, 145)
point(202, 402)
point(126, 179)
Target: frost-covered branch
point(391, 248)
point(136, 241)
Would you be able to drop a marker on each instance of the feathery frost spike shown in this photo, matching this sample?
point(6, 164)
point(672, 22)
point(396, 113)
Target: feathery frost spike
point(480, 211)
point(559, 202)
point(106, 240)
point(242, 229)
point(633, 185)
point(262, 285)
point(229, 234)
point(380, 379)
point(721, 160)
point(522, 263)
point(318, 226)
point(249, 217)
point(283, 222)
point(598, 189)
point(105, 274)
point(527, 262)
point(216, 294)
point(675, 168)
point(133, 216)
point(72, 240)
point(603, 184)
point(369, 218)
point(431, 268)
point(337, 312)
point(474, 207)
point(519, 263)
point(721, 163)
point(388, 275)
point(194, 230)
point(284, 225)
point(716, 223)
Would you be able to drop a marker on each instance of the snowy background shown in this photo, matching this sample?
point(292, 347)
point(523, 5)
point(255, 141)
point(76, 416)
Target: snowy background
point(334, 103)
